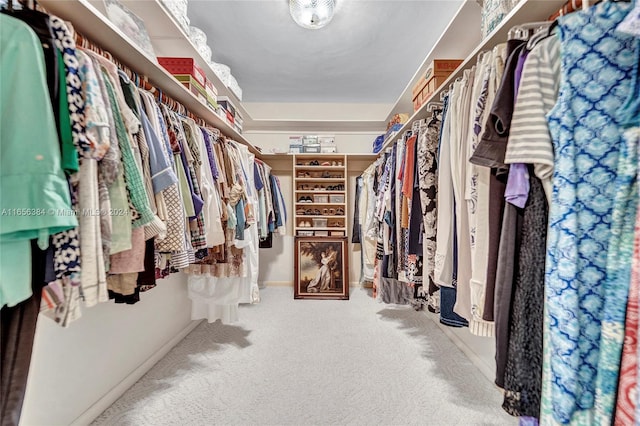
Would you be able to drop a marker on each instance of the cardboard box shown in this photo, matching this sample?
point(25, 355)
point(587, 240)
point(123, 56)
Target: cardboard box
point(443, 66)
point(182, 66)
point(337, 233)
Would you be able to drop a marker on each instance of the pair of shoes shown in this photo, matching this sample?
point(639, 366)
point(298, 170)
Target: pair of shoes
point(335, 188)
point(303, 174)
point(304, 187)
point(300, 212)
point(326, 163)
point(314, 163)
point(319, 188)
point(325, 175)
point(305, 199)
point(334, 224)
point(305, 224)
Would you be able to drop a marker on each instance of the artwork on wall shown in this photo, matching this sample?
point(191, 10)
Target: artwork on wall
point(131, 25)
point(321, 268)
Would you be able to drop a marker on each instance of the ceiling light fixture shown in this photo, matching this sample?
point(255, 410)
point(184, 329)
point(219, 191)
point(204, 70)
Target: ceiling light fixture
point(312, 14)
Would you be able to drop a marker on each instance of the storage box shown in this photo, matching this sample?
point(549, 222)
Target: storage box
point(313, 149)
point(295, 148)
point(442, 66)
point(321, 199)
point(439, 70)
point(310, 140)
point(319, 222)
point(337, 233)
point(328, 149)
point(197, 89)
point(326, 140)
point(230, 118)
point(211, 90)
point(321, 233)
point(336, 199)
point(305, 233)
point(227, 105)
point(184, 66)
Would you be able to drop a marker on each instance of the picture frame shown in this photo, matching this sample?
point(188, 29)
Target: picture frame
point(131, 25)
point(321, 268)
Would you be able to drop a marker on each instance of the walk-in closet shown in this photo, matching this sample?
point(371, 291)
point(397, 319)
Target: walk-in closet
point(319, 212)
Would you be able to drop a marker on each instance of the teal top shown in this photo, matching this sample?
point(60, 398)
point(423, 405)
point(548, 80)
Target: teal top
point(34, 195)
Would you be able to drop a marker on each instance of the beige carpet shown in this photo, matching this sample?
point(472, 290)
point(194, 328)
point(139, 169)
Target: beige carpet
point(313, 362)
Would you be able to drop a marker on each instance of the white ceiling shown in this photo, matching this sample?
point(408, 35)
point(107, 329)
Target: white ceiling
point(367, 54)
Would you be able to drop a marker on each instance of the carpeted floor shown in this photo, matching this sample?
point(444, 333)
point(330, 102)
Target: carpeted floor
point(313, 362)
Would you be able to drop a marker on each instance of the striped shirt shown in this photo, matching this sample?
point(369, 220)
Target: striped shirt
point(529, 138)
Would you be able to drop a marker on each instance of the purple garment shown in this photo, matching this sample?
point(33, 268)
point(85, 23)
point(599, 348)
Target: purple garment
point(210, 154)
point(529, 421)
point(517, 190)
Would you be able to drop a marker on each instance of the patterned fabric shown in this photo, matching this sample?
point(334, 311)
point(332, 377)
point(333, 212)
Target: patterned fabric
point(628, 386)
point(523, 375)
point(133, 178)
point(428, 183)
point(618, 279)
point(64, 41)
point(587, 139)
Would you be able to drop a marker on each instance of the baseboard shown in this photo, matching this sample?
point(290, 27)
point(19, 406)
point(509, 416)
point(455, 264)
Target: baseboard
point(486, 366)
point(112, 396)
point(290, 284)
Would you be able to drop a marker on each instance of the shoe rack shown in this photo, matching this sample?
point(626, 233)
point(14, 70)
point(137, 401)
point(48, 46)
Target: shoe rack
point(320, 195)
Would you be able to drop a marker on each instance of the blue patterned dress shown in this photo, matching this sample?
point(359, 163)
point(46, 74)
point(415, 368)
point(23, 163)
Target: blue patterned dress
point(597, 66)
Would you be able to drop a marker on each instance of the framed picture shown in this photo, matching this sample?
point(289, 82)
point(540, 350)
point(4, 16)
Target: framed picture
point(131, 25)
point(321, 268)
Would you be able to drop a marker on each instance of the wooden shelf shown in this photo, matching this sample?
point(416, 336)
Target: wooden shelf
point(308, 216)
point(88, 19)
point(320, 180)
point(319, 168)
point(324, 206)
point(311, 228)
point(311, 191)
point(298, 203)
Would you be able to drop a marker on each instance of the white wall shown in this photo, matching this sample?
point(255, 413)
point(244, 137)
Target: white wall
point(74, 368)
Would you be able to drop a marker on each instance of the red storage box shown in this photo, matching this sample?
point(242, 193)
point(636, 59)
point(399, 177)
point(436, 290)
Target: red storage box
point(184, 66)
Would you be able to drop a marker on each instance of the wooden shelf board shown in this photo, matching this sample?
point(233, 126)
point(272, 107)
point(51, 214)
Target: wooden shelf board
point(311, 191)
